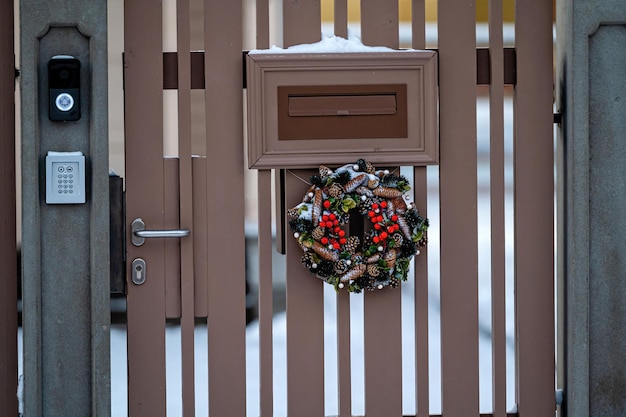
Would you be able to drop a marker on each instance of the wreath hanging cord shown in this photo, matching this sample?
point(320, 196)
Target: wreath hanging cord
point(393, 230)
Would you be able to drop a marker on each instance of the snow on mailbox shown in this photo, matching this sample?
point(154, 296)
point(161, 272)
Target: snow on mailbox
point(320, 102)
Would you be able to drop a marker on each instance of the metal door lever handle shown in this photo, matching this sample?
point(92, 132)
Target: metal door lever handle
point(139, 232)
point(162, 233)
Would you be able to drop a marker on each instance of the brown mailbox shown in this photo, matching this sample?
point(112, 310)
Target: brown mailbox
point(305, 109)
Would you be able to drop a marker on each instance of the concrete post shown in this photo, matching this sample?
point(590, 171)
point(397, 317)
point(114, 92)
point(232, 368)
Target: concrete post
point(65, 246)
point(591, 95)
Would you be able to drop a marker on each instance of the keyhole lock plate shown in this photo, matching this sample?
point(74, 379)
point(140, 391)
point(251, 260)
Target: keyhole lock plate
point(138, 271)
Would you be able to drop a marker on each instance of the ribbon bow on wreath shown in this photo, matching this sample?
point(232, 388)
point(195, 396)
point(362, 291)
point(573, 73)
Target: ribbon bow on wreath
point(393, 229)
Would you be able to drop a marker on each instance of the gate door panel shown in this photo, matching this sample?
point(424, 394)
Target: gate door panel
point(179, 266)
point(143, 83)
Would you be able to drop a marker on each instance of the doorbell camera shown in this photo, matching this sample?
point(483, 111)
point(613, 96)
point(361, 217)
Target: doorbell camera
point(64, 87)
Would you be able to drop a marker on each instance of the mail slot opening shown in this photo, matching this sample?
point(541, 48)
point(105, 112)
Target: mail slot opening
point(342, 105)
point(342, 111)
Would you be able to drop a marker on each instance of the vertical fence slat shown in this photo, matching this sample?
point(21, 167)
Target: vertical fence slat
point(341, 18)
point(420, 181)
point(171, 193)
point(379, 23)
point(497, 193)
point(266, 299)
point(265, 307)
point(421, 302)
point(458, 185)
point(305, 302)
point(301, 22)
point(262, 24)
point(305, 321)
point(225, 208)
point(185, 173)
point(382, 310)
point(418, 23)
point(534, 205)
point(8, 250)
point(344, 360)
point(144, 190)
point(200, 239)
point(383, 353)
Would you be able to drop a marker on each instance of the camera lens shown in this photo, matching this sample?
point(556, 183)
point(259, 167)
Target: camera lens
point(64, 74)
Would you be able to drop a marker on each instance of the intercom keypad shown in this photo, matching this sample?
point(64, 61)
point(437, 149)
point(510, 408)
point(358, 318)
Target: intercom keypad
point(65, 178)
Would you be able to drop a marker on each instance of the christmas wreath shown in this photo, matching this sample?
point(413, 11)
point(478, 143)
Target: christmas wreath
point(393, 230)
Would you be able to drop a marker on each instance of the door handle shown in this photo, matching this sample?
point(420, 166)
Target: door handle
point(139, 232)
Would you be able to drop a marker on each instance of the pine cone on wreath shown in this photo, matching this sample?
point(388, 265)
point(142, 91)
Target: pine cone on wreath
point(325, 171)
point(316, 181)
point(318, 233)
point(366, 166)
point(352, 245)
point(373, 183)
point(390, 258)
point(335, 190)
point(341, 266)
point(366, 205)
point(307, 259)
point(373, 270)
point(292, 212)
point(407, 249)
point(325, 268)
point(397, 240)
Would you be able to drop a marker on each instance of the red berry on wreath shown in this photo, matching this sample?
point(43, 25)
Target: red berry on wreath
point(374, 206)
point(376, 239)
point(337, 229)
point(377, 226)
point(379, 219)
point(341, 233)
point(371, 213)
point(394, 217)
point(336, 245)
point(383, 204)
point(343, 240)
point(324, 240)
point(326, 203)
point(391, 229)
point(383, 235)
point(332, 216)
point(325, 217)
point(335, 222)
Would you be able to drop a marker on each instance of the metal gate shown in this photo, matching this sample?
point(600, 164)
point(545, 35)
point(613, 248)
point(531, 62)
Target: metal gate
point(203, 275)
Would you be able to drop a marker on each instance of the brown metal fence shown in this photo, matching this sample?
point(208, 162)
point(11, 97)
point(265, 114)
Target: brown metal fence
point(206, 195)
point(8, 250)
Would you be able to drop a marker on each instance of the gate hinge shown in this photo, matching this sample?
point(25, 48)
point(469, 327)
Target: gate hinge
point(17, 72)
point(557, 117)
